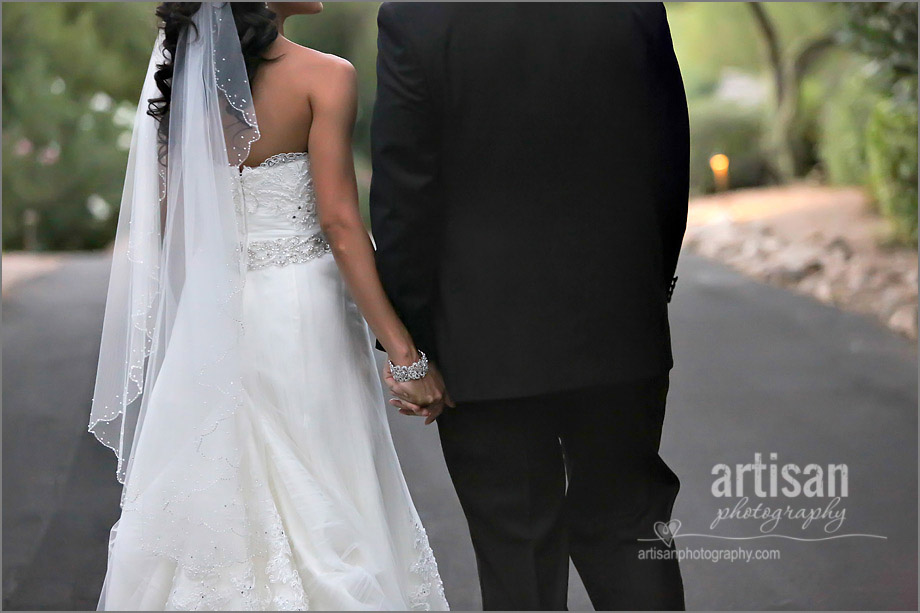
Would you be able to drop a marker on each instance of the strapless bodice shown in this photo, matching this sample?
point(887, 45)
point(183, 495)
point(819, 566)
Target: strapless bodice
point(277, 197)
point(278, 201)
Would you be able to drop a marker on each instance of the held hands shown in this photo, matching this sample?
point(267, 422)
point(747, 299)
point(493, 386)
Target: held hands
point(425, 397)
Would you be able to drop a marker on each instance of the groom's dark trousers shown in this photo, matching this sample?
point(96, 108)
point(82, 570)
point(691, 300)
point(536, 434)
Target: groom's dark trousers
point(528, 201)
point(509, 459)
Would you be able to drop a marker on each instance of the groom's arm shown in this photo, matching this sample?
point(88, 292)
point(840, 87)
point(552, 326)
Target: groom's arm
point(674, 142)
point(403, 198)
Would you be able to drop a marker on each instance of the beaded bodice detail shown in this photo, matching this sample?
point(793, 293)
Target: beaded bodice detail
point(278, 201)
point(281, 186)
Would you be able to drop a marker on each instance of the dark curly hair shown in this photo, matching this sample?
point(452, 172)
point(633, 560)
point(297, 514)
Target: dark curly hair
point(254, 23)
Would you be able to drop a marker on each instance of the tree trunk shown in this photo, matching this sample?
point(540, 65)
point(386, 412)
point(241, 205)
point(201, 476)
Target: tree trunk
point(779, 139)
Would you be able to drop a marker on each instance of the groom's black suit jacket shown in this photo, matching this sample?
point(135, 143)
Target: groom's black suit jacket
point(529, 192)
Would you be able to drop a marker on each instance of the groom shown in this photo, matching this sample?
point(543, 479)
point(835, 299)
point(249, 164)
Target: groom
point(528, 202)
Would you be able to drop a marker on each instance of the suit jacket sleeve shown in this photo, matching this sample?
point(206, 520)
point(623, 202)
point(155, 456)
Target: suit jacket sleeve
point(674, 142)
point(403, 198)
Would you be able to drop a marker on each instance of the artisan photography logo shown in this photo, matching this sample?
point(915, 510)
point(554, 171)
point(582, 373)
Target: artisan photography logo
point(763, 501)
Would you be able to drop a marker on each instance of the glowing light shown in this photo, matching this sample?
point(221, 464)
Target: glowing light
point(719, 162)
point(719, 165)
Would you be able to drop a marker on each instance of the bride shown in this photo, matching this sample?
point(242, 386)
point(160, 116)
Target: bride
point(237, 383)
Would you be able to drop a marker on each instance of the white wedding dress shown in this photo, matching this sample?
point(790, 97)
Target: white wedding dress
point(313, 508)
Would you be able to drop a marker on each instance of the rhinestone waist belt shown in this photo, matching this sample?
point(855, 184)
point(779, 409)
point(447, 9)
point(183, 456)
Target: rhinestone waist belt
point(287, 250)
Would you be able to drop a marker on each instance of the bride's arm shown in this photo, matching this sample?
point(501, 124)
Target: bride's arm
point(334, 110)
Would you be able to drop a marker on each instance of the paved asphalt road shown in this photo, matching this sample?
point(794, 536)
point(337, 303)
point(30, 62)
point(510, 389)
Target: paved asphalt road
point(758, 370)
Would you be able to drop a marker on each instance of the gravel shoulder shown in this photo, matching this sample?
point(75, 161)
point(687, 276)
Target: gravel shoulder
point(823, 242)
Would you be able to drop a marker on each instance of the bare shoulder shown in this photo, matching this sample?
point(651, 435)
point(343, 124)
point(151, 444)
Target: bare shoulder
point(310, 63)
point(323, 76)
point(339, 72)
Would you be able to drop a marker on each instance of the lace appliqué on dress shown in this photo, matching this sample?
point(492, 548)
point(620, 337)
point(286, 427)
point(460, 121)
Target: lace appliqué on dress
point(426, 569)
point(287, 250)
point(268, 581)
point(286, 189)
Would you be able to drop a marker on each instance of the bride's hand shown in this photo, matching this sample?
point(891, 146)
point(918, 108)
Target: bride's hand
point(425, 397)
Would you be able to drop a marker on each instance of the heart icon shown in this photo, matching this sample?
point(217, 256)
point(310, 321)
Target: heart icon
point(667, 531)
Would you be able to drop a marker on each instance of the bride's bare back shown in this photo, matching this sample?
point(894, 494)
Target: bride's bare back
point(284, 92)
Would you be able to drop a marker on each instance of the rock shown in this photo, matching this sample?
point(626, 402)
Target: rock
point(759, 268)
point(862, 276)
point(729, 251)
point(904, 320)
point(875, 278)
point(893, 276)
point(817, 286)
point(815, 237)
point(772, 244)
point(823, 291)
point(891, 299)
point(691, 238)
point(840, 244)
point(712, 240)
point(835, 266)
point(751, 249)
point(797, 262)
point(758, 227)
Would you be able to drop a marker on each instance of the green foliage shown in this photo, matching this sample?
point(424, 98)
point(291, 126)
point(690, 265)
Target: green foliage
point(67, 68)
point(891, 153)
point(883, 116)
point(60, 142)
point(842, 126)
point(885, 31)
point(713, 40)
point(710, 36)
point(720, 127)
point(807, 136)
point(694, 28)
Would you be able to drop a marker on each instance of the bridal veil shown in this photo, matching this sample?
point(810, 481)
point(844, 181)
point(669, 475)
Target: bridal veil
point(175, 290)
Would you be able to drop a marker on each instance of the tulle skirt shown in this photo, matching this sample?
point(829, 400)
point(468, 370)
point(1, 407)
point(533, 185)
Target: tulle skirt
point(312, 512)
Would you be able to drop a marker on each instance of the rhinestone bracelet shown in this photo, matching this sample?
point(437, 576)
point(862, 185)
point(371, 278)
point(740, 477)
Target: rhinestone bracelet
point(412, 372)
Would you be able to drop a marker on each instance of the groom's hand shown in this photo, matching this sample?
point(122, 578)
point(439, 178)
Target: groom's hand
point(424, 397)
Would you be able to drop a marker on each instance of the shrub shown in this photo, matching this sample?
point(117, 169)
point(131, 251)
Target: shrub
point(67, 68)
point(891, 153)
point(843, 120)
